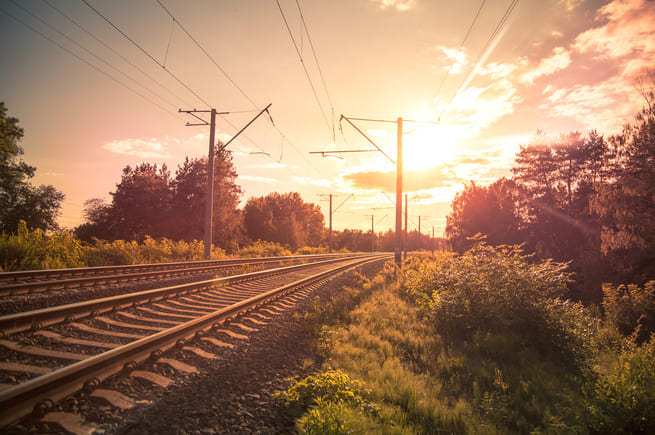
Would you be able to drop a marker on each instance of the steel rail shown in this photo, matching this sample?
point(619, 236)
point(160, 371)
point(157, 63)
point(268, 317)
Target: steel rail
point(172, 269)
point(37, 319)
point(40, 393)
point(54, 273)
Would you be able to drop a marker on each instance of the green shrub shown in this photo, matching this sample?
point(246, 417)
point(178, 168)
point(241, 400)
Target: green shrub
point(262, 248)
point(121, 252)
point(332, 386)
point(37, 250)
point(631, 308)
point(335, 418)
point(498, 290)
point(623, 400)
point(311, 250)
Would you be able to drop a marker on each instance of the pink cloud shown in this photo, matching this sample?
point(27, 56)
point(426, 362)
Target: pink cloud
point(560, 59)
point(629, 30)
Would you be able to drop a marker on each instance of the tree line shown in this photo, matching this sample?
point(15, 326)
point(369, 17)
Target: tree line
point(588, 200)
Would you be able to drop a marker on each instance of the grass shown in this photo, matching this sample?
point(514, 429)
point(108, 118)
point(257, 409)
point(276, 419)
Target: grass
point(552, 368)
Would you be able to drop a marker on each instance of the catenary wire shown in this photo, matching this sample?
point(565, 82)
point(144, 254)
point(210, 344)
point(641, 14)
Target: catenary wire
point(89, 52)
point(302, 62)
point(108, 47)
point(145, 52)
point(283, 136)
point(176, 21)
point(318, 65)
point(499, 26)
point(75, 55)
point(459, 50)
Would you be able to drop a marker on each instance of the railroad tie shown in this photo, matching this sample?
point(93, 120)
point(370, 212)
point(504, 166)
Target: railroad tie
point(201, 353)
point(114, 398)
point(177, 365)
point(70, 422)
point(155, 378)
point(32, 350)
point(232, 334)
point(216, 342)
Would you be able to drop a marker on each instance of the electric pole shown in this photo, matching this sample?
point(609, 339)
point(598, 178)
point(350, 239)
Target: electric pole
point(405, 243)
point(330, 233)
point(432, 244)
point(209, 203)
point(419, 230)
point(398, 248)
point(323, 195)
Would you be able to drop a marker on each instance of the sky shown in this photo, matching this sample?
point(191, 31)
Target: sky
point(482, 76)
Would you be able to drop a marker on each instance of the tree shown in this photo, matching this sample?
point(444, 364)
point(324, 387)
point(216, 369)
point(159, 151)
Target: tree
point(38, 206)
point(99, 223)
point(190, 197)
point(490, 210)
point(284, 218)
point(141, 202)
point(626, 201)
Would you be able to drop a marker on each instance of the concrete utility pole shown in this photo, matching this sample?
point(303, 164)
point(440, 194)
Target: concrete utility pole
point(405, 243)
point(398, 248)
point(372, 233)
point(432, 244)
point(210, 188)
point(209, 203)
point(323, 195)
point(330, 231)
point(419, 231)
point(399, 195)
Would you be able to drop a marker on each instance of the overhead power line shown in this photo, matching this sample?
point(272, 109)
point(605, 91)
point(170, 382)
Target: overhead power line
point(304, 67)
point(108, 47)
point(75, 55)
point(89, 52)
point(459, 50)
point(318, 65)
point(108, 21)
point(492, 37)
point(176, 21)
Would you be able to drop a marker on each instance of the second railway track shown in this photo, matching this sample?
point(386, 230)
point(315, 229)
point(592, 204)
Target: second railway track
point(46, 355)
point(30, 281)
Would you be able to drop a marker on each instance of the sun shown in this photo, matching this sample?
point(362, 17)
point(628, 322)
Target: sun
point(428, 146)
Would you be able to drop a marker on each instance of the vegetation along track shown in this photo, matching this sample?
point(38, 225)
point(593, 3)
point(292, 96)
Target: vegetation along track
point(48, 354)
point(22, 282)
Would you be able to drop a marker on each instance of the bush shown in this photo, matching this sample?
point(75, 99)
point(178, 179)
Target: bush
point(623, 401)
point(264, 249)
point(631, 309)
point(36, 250)
point(120, 252)
point(332, 418)
point(332, 386)
point(497, 290)
point(311, 250)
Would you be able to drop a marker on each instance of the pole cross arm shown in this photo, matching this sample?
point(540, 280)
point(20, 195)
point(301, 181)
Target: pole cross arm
point(367, 138)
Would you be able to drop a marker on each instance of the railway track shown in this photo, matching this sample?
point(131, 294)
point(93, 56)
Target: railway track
point(30, 281)
point(49, 354)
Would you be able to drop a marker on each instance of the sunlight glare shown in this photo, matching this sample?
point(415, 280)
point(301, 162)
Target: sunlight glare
point(429, 146)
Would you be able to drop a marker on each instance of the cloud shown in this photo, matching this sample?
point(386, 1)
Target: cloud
point(622, 41)
point(145, 149)
point(476, 108)
point(455, 59)
point(602, 106)
point(400, 5)
point(560, 59)
point(257, 179)
point(413, 180)
point(628, 30)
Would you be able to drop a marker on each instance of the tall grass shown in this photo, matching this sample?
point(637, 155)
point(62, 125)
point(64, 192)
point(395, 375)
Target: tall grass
point(479, 343)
